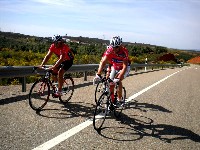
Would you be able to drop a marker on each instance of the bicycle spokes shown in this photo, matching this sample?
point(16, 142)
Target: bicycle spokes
point(67, 90)
point(42, 88)
point(39, 95)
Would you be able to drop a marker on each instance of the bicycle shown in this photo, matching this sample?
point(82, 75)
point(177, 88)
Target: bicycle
point(43, 87)
point(100, 87)
point(104, 105)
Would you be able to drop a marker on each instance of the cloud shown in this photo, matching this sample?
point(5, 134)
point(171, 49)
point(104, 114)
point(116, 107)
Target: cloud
point(167, 22)
point(50, 2)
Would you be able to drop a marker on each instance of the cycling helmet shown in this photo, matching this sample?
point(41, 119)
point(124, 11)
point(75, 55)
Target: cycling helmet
point(116, 41)
point(57, 38)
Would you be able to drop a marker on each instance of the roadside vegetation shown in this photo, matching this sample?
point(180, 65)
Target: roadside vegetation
point(24, 50)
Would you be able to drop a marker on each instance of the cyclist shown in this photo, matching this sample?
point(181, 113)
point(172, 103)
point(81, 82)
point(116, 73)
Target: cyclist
point(117, 56)
point(64, 62)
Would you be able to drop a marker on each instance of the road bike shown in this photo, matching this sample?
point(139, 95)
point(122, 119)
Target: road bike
point(104, 104)
point(44, 87)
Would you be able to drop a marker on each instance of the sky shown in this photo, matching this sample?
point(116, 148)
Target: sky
point(168, 23)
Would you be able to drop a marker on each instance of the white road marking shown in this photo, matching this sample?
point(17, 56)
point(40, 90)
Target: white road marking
point(53, 142)
point(151, 86)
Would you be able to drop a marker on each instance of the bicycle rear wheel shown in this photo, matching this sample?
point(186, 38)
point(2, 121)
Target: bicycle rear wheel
point(101, 111)
point(39, 94)
point(67, 89)
point(118, 110)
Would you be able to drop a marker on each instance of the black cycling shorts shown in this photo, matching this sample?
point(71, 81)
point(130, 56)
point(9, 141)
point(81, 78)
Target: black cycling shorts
point(66, 64)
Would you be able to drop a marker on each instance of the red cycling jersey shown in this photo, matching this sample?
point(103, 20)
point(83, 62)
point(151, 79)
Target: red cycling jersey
point(62, 50)
point(116, 59)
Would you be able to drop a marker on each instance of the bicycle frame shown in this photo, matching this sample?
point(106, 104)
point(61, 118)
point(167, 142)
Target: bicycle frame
point(107, 88)
point(47, 78)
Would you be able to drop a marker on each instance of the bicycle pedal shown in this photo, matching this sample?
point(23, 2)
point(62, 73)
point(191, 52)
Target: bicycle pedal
point(111, 107)
point(55, 96)
point(108, 112)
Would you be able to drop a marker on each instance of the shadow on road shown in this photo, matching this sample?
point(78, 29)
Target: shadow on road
point(70, 110)
point(164, 132)
point(137, 127)
point(146, 107)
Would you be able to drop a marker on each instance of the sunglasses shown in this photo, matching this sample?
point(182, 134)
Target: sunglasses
point(116, 47)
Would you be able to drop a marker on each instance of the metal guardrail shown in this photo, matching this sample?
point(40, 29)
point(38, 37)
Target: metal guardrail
point(21, 71)
point(24, 71)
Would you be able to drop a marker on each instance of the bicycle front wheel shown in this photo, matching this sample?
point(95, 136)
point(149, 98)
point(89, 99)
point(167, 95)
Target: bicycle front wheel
point(39, 94)
point(67, 89)
point(118, 110)
point(101, 111)
point(99, 90)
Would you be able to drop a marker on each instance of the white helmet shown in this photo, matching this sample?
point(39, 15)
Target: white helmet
point(57, 38)
point(116, 41)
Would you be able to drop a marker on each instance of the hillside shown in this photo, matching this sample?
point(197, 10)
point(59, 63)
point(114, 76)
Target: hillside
point(32, 49)
point(195, 60)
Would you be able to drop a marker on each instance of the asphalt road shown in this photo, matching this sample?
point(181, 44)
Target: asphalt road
point(163, 112)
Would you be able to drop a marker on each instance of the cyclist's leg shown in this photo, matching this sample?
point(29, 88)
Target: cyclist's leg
point(119, 91)
point(55, 74)
point(63, 68)
point(60, 79)
point(112, 85)
point(127, 71)
point(120, 82)
point(108, 71)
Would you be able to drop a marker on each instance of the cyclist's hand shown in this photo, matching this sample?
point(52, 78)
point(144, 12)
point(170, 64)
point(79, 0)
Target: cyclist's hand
point(116, 80)
point(51, 68)
point(96, 79)
point(41, 66)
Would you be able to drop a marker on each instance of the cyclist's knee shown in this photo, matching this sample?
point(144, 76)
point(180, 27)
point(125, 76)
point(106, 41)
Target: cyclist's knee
point(61, 72)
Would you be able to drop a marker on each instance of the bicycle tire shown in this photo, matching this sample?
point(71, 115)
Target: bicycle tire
point(101, 111)
point(118, 111)
point(39, 94)
point(99, 90)
point(67, 89)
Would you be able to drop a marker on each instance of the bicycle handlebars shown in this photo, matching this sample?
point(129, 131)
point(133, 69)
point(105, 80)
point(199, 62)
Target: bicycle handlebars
point(43, 67)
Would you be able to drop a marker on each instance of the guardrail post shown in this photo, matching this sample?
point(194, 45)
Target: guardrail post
point(145, 68)
point(85, 76)
point(135, 69)
point(23, 84)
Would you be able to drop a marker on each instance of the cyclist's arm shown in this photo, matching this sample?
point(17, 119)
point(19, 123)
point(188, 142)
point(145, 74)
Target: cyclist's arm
point(102, 64)
point(122, 72)
point(46, 58)
point(59, 61)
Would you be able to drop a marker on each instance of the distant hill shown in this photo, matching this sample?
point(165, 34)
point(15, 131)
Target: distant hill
point(80, 39)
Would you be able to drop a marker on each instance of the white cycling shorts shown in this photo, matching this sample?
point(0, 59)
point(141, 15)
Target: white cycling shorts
point(114, 72)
